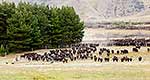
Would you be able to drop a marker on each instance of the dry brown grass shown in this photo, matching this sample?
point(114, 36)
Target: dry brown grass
point(78, 70)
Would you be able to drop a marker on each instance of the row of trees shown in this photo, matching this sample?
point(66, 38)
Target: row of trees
point(30, 26)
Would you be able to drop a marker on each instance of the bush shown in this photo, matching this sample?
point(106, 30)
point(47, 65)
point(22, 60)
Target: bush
point(2, 51)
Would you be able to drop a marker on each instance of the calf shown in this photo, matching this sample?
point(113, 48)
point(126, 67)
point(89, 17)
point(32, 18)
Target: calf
point(95, 58)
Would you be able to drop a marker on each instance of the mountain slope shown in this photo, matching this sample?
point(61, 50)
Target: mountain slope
point(101, 10)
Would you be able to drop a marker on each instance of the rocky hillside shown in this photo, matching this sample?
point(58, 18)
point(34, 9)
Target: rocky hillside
point(101, 10)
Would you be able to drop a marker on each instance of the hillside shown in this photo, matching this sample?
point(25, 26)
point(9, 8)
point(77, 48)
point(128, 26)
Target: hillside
point(102, 10)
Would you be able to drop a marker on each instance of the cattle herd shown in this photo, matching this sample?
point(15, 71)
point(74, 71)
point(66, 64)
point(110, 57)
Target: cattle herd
point(81, 52)
point(131, 42)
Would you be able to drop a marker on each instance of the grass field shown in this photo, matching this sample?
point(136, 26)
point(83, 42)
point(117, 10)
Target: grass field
point(109, 71)
point(92, 34)
point(77, 70)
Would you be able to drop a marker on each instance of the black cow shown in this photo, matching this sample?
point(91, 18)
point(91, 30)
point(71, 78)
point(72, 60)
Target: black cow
point(135, 50)
point(138, 47)
point(140, 58)
point(124, 51)
point(106, 59)
point(115, 59)
point(148, 49)
point(100, 53)
point(118, 52)
point(112, 51)
point(100, 59)
point(130, 59)
point(65, 60)
point(126, 59)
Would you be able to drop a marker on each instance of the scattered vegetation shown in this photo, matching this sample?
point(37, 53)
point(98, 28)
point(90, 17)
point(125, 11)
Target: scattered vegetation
point(125, 24)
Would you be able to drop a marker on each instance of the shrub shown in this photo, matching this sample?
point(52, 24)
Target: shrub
point(2, 51)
